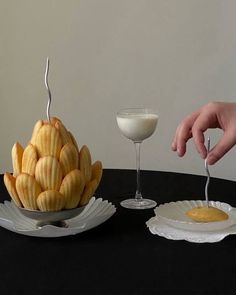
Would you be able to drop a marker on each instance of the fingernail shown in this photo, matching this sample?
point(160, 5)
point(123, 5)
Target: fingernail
point(173, 147)
point(203, 154)
point(179, 152)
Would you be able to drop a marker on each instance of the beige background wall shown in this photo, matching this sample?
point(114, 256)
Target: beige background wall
point(172, 55)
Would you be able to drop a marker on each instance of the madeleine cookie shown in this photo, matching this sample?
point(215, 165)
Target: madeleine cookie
point(28, 190)
point(17, 153)
point(53, 121)
point(65, 136)
point(69, 158)
point(48, 141)
point(37, 126)
point(48, 173)
point(85, 163)
point(97, 171)
point(72, 187)
point(207, 214)
point(88, 192)
point(74, 141)
point(29, 160)
point(50, 200)
point(10, 183)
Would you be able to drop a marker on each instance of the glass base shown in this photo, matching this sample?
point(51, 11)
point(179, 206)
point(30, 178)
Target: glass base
point(138, 203)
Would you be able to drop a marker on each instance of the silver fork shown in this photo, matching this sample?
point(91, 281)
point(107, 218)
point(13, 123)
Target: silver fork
point(48, 89)
point(207, 173)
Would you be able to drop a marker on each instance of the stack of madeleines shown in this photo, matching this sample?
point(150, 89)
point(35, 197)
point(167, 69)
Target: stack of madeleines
point(51, 173)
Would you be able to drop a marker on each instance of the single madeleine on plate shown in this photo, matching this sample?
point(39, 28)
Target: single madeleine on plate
point(174, 214)
point(207, 214)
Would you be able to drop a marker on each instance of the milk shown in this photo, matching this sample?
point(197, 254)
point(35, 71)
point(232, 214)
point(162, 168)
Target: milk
point(137, 127)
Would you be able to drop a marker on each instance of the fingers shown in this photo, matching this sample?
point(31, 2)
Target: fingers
point(226, 142)
point(183, 134)
point(202, 123)
point(179, 144)
point(194, 126)
point(212, 115)
point(199, 140)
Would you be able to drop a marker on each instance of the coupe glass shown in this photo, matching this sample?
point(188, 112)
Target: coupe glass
point(137, 124)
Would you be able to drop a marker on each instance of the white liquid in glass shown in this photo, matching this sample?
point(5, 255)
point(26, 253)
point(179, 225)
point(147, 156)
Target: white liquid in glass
point(137, 124)
point(137, 127)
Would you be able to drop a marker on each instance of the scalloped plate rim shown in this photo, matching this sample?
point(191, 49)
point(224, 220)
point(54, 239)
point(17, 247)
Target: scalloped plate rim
point(190, 236)
point(53, 231)
point(197, 226)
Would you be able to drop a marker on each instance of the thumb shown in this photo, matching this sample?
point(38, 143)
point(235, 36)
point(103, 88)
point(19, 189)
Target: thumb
point(226, 142)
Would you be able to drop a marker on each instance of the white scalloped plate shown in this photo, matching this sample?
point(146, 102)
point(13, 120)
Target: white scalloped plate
point(158, 227)
point(96, 212)
point(173, 214)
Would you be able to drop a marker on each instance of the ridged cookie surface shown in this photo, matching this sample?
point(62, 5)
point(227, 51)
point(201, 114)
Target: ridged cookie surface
point(48, 141)
point(65, 136)
point(52, 173)
point(72, 187)
point(37, 126)
point(17, 153)
point(10, 183)
point(69, 158)
point(48, 173)
point(50, 200)
point(28, 190)
point(88, 192)
point(29, 160)
point(97, 171)
point(85, 163)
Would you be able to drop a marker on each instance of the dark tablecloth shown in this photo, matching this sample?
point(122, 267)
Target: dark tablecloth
point(121, 256)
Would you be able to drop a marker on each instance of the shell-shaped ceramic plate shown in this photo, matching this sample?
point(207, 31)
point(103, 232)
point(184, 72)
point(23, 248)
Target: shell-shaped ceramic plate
point(158, 227)
point(96, 212)
point(174, 214)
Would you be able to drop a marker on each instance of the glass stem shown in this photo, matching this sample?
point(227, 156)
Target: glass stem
point(138, 194)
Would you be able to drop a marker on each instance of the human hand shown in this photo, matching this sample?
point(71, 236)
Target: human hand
point(212, 115)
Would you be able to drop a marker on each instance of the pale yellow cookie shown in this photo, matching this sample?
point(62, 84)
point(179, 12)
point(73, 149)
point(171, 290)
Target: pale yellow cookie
point(53, 121)
point(48, 173)
point(17, 153)
point(28, 190)
point(85, 163)
point(65, 136)
point(97, 171)
point(48, 141)
point(88, 192)
point(10, 183)
point(37, 126)
point(69, 158)
point(72, 187)
point(29, 160)
point(207, 214)
point(50, 200)
point(74, 141)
